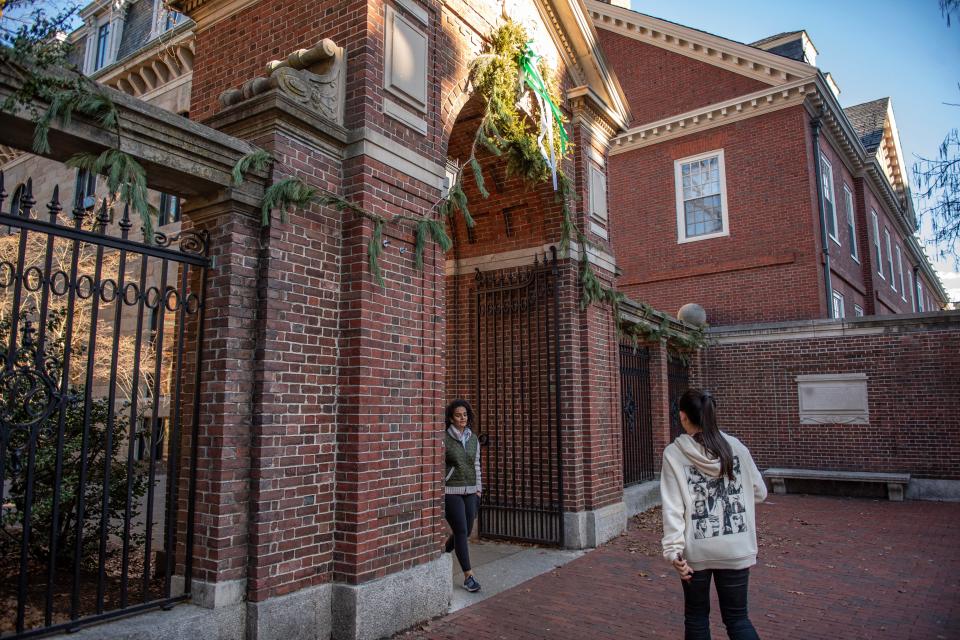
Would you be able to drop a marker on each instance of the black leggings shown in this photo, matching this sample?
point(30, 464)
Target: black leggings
point(461, 510)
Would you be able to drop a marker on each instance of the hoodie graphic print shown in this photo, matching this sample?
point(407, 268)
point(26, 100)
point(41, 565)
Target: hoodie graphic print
point(717, 503)
point(707, 517)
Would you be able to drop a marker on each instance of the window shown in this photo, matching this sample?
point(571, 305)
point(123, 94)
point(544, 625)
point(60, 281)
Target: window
point(838, 305)
point(598, 201)
point(913, 292)
point(701, 197)
point(171, 20)
point(84, 187)
point(169, 209)
point(876, 243)
point(857, 311)
point(886, 237)
point(851, 222)
point(903, 289)
point(103, 40)
point(829, 199)
point(919, 295)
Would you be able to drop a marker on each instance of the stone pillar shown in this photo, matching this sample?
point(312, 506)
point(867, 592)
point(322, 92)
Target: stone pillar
point(660, 398)
point(226, 394)
point(345, 448)
point(592, 450)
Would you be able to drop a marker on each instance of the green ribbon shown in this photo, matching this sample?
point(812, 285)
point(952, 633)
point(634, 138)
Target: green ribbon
point(549, 112)
point(533, 79)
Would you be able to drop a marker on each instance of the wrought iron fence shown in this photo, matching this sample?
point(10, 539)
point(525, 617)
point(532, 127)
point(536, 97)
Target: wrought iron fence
point(518, 403)
point(636, 414)
point(678, 381)
point(97, 413)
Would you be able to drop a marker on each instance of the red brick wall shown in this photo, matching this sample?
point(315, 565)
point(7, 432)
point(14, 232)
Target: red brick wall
point(767, 268)
point(886, 299)
point(294, 428)
point(912, 391)
point(660, 83)
point(847, 273)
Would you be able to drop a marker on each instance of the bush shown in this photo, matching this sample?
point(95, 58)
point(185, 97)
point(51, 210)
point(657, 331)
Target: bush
point(18, 407)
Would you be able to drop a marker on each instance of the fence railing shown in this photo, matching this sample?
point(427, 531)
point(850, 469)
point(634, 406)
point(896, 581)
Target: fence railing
point(100, 340)
point(636, 414)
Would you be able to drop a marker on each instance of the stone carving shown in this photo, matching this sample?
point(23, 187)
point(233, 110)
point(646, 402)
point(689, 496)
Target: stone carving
point(313, 77)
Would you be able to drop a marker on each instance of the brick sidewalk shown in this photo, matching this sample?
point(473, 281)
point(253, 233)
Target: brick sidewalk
point(829, 568)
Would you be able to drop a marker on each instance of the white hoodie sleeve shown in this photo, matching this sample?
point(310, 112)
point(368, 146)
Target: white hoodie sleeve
point(759, 488)
point(674, 518)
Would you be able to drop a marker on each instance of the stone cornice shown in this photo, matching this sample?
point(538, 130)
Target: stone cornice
point(818, 329)
point(577, 41)
point(589, 109)
point(633, 313)
point(180, 156)
point(207, 13)
point(720, 52)
point(714, 115)
point(164, 61)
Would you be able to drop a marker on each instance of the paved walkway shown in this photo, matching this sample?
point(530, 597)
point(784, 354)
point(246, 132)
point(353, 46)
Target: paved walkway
point(830, 569)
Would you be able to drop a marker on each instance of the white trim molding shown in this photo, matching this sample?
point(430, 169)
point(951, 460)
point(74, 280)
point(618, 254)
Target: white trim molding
point(720, 52)
point(715, 115)
point(682, 236)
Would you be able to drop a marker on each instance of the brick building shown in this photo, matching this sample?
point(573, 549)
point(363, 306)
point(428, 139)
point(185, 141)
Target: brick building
point(318, 449)
point(743, 185)
point(313, 505)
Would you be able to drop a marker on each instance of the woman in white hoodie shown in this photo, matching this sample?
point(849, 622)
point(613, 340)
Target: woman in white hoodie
point(709, 485)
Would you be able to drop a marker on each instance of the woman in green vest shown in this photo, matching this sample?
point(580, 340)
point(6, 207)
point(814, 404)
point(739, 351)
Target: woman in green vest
point(462, 484)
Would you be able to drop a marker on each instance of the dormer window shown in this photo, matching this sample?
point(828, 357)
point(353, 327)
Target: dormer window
point(171, 20)
point(103, 45)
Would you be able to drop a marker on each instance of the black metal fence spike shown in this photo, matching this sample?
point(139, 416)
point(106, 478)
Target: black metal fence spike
point(125, 223)
point(26, 200)
point(54, 207)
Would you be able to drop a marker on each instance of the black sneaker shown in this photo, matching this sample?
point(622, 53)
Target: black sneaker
point(471, 585)
point(448, 547)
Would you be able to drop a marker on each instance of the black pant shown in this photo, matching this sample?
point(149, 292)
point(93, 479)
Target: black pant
point(461, 510)
point(732, 594)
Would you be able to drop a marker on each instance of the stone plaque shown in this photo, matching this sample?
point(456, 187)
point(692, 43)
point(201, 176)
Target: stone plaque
point(405, 60)
point(834, 398)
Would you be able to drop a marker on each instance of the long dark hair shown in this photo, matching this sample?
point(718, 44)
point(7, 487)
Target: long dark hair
point(453, 406)
point(701, 410)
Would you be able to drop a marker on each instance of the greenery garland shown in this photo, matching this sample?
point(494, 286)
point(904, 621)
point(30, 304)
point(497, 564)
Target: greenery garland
point(504, 131)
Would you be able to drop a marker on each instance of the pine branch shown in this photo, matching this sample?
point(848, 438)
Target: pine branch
point(257, 160)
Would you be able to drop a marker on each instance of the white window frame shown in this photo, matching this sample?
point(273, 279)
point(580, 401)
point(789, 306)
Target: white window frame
point(903, 289)
point(829, 195)
point(851, 222)
point(857, 311)
point(838, 299)
point(678, 190)
point(99, 53)
point(920, 295)
point(913, 291)
point(886, 237)
point(876, 243)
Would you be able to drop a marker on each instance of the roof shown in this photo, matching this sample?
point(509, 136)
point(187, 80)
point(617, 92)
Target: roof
point(868, 120)
point(760, 43)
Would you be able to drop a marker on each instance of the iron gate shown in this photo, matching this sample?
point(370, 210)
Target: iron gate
point(636, 414)
point(678, 381)
point(97, 433)
point(518, 402)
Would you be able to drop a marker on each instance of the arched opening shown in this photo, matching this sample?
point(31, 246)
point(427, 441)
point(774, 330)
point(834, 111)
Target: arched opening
point(503, 339)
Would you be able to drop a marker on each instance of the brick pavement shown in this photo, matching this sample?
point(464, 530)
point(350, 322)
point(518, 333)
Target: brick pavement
point(829, 568)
